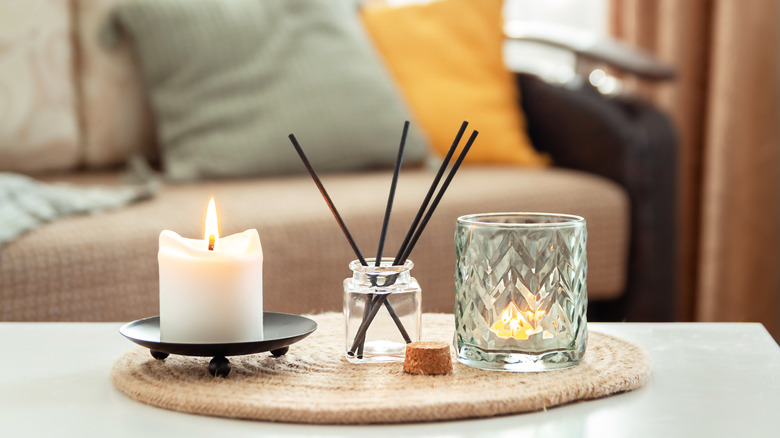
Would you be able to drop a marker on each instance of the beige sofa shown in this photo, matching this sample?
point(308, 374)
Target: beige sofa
point(103, 267)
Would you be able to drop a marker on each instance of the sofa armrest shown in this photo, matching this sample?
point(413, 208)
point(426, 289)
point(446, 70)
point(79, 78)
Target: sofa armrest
point(633, 144)
point(588, 46)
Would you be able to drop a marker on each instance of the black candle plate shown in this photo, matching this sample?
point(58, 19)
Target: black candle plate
point(280, 330)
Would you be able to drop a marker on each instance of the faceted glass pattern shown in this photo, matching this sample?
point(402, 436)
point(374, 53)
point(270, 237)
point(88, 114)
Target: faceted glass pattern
point(521, 293)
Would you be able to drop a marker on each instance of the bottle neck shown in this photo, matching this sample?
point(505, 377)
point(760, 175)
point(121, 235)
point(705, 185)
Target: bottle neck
point(382, 276)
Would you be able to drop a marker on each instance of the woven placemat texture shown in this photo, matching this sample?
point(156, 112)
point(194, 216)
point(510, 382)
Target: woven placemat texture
point(313, 383)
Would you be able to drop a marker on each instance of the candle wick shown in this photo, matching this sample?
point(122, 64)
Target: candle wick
point(211, 242)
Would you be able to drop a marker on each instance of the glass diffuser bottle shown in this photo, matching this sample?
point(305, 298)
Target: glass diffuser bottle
point(382, 311)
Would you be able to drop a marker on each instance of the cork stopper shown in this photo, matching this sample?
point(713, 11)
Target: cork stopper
point(427, 358)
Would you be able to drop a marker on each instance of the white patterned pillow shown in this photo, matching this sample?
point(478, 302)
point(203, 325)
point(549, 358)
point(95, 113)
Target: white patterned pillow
point(38, 122)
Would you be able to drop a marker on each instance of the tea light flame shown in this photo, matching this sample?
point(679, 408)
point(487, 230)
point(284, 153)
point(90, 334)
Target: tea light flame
point(517, 324)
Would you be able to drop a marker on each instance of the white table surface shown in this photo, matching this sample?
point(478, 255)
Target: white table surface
point(708, 380)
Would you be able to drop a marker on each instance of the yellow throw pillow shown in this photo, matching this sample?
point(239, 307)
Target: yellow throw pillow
point(446, 58)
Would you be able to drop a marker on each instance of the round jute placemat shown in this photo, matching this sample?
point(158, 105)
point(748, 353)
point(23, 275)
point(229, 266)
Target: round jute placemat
point(313, 383)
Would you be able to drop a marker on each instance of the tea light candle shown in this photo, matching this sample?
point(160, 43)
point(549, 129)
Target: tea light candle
point(211, 290)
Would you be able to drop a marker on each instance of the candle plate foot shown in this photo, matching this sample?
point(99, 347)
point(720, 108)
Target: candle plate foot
point(219, 366)
point(280, 351)
point(159, 355)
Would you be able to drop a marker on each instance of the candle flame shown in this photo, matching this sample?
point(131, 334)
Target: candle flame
point(518, 324)
point(212, 227)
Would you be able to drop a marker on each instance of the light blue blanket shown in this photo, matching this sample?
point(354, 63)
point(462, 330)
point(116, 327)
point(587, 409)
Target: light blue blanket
point(26, 203)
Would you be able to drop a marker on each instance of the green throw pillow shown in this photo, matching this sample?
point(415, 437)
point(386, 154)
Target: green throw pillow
point(229, 80)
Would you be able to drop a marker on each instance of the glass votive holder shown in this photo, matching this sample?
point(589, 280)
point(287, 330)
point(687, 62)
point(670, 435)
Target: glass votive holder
point(521, 293)
point(382, 311)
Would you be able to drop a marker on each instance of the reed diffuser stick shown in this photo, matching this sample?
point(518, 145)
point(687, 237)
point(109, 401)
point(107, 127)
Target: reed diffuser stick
point(357, 347)
point(344, 229)
point(382, 236)
point(438, 197)
point(360, 336)
point(391, 196)
point(325, 195)
point(431, 191)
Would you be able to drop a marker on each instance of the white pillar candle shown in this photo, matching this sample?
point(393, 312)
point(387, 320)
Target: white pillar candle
point(211, 296)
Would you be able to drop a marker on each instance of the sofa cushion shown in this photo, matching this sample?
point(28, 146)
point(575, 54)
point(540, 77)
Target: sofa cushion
point(229, 80)
point(111, 132)
point(446, 57)
point(38, 122)
point(104, 267)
